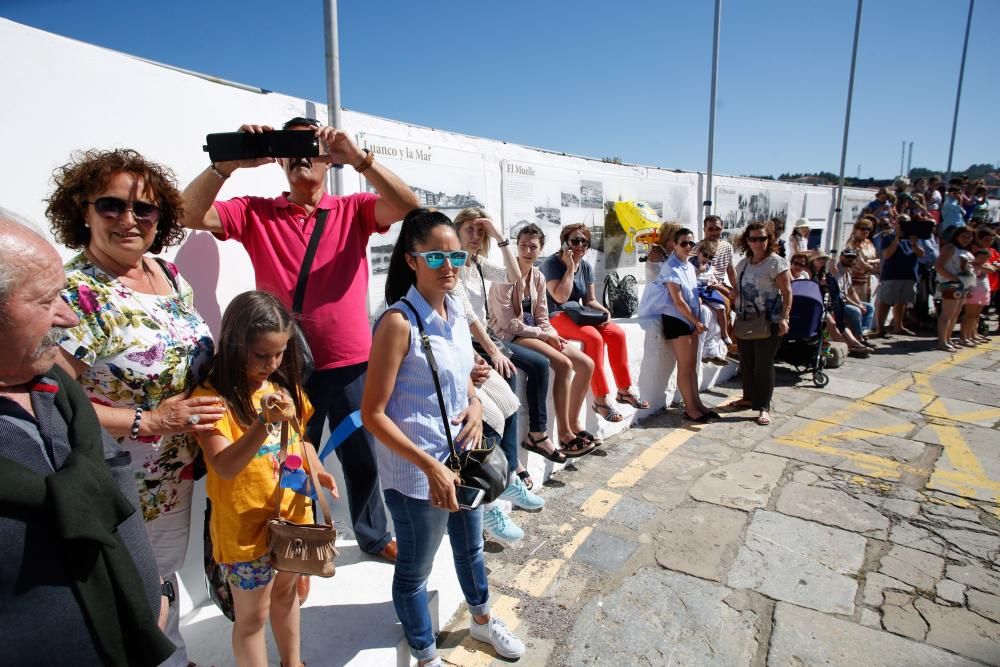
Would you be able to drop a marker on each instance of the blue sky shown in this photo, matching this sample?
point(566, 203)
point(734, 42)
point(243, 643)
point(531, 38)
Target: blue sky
point(627, 79)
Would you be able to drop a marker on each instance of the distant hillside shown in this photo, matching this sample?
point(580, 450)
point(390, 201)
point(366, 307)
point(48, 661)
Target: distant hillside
point(988, 172)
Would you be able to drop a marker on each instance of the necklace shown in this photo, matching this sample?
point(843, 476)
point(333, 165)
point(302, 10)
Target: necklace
point(145, 271)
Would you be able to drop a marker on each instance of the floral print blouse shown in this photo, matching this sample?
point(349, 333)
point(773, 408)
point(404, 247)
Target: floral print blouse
point(140, 349)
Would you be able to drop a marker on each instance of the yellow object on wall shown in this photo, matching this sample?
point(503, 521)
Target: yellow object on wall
point(635, 217)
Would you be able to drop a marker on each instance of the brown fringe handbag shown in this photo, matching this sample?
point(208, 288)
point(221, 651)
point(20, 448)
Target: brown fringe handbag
point(302, 548)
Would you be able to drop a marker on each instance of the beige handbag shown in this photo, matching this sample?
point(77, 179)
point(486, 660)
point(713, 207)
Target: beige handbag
point(302, 548)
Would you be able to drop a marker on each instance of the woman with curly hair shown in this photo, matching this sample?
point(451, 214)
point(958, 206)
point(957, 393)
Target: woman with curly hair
point(140, 341)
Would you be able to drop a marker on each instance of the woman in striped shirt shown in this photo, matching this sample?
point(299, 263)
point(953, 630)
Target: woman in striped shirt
point(400, 408)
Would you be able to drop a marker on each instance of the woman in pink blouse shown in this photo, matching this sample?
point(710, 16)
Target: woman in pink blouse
point(519, 314)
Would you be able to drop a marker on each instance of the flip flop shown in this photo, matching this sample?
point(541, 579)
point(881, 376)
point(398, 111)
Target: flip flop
point(588, 437)
point(555, 456)
point(763, 420)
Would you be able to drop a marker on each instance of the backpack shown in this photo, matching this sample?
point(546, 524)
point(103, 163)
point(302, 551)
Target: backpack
point(621, 295)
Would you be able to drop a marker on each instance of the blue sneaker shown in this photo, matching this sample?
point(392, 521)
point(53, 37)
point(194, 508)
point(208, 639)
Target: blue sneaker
point(500, 526)
point(518, 494)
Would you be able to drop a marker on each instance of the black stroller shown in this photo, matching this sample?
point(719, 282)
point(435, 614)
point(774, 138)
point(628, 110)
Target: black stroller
point(802, 348)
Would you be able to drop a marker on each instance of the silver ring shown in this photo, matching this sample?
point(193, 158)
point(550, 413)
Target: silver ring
point(194, 419)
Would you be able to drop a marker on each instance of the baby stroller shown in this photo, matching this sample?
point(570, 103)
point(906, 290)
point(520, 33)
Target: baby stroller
point(802, 348)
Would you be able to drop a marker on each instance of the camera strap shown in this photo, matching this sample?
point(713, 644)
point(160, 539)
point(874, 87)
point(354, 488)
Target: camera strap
point(307, 261)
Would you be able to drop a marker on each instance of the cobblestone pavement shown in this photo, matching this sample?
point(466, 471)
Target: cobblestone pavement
point(862, 527)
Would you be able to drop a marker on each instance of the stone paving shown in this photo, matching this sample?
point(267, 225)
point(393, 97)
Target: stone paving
point(862, 527)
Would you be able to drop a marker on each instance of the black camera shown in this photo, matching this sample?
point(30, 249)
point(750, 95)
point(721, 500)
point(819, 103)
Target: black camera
point(228, 146)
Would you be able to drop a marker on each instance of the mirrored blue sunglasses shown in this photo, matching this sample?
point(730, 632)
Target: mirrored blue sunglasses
point(435, 258)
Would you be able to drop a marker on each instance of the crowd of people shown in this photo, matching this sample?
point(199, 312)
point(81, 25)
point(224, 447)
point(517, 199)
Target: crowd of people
point(113, 389)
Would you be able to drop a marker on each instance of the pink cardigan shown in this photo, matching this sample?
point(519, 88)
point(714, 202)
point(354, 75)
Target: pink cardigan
point(505, 308)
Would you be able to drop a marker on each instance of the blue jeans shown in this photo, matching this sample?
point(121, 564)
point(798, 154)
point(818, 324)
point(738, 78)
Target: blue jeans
point(536, 367)
point(419, 529)
point(856, 321)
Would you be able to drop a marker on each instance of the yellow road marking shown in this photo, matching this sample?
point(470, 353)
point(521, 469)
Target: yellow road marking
point(877, 466)
point(599, 504)
point(574, 544)
point(536, 576)
point(648, 459)
point(938, 409)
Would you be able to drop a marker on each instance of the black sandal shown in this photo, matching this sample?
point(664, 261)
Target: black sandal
point(555, 456)
point(525, 478)
point(589, 437)
point(576, 448)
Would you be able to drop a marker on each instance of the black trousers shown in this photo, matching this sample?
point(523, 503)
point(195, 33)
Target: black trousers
point(757, 368)
point(336, 393)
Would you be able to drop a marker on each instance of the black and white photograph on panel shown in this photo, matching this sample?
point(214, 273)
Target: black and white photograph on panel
point(591, 194)
point(569, 199)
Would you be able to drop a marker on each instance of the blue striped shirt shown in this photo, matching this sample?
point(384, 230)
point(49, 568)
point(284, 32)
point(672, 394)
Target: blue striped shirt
point(413, 404)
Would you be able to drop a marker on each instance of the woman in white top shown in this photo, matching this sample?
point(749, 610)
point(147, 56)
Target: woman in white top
point(674, 297)
point(475, 230)
point(400, 408)
point(799, 240)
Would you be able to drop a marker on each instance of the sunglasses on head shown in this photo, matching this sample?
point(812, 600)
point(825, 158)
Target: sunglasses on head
point(687, 244)
point(579, 240)
point(755, 239)
point(298, 121)
point(435, 258)
point(113, 207)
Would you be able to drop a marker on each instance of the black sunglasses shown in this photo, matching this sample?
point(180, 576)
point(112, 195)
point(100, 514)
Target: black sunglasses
point(754, 239)
point(113, 207)
point(799, 263)
point(579, 240)
point(687, 244)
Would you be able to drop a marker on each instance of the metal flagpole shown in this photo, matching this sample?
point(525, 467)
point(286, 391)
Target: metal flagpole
point(707, 204)
point(958, 94)
point(332, 39)
point(838, 211)
point(909, 159)
point(902, 158)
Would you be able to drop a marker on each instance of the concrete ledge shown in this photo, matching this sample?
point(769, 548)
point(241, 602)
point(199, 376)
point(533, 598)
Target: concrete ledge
point(653, 369)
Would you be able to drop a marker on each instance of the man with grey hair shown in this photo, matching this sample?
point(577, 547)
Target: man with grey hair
point(78, 582)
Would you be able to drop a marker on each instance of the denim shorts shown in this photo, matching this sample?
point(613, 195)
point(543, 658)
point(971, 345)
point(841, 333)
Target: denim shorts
point(250, 575)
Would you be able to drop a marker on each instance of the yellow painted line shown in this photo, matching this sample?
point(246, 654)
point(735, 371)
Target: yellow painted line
point(536, 576)
point(599, 504)
point(938, 409)
point(648, 459)
point(577, 540)
point(565, 528)
point(875, 466)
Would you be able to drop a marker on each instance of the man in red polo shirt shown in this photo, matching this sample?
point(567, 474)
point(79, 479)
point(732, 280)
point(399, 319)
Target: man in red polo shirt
point(275, 233)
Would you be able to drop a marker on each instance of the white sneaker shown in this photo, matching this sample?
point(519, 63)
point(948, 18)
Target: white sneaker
point(436, 662)
point(496, 634)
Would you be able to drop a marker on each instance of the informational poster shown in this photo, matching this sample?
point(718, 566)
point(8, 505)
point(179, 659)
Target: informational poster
point(852, 206)
point(738, 206)
point(554, 197)
point(817, 206)
point(443, 178)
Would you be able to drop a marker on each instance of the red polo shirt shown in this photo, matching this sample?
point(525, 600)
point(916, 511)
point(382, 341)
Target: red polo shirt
point(275, 233)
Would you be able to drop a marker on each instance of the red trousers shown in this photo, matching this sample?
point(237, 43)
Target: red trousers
point(594, 340)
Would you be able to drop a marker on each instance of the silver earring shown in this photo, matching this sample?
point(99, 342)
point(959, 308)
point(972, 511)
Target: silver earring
point(87, 225)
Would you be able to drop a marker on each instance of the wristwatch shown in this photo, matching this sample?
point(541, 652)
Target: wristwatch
point(167, 591)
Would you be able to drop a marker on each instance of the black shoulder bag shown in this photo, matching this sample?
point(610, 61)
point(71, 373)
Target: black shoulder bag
point(306, 362)
point(483, 468)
